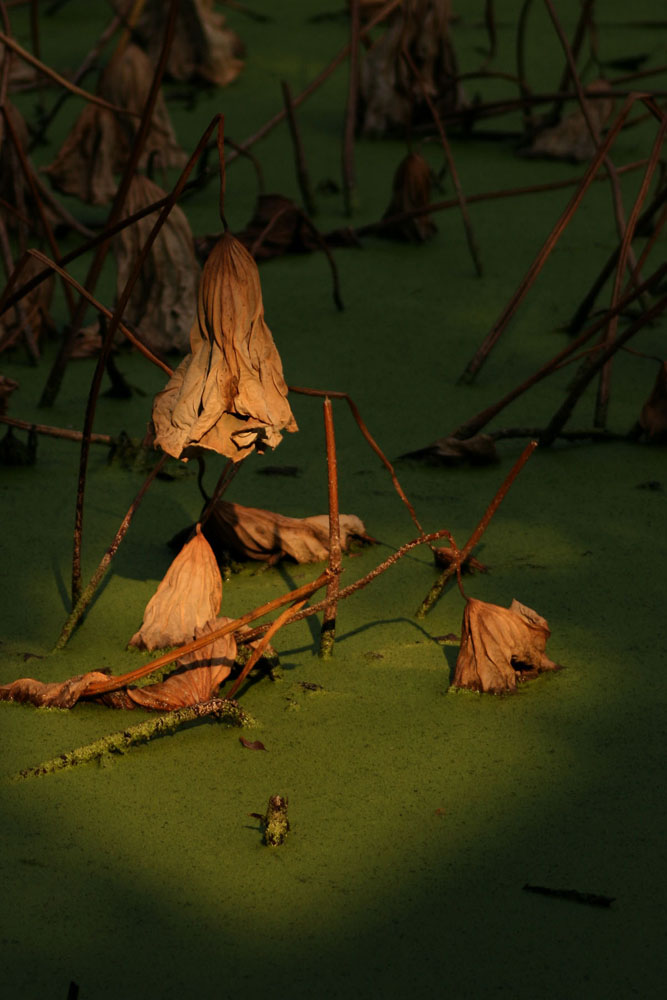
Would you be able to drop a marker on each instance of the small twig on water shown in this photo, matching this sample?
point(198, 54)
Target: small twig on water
point(118, 743)
point(302, 175)
point(460, 557)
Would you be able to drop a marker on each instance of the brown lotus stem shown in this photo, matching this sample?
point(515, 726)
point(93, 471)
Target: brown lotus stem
point(440, 206)
point(525, 101)
point(583, 25)
point(301, 390)
point(83, 69)
point(589, 370)
point(617, 198)
point(583, 310)
point(482, 353)
point(87, 595)
point(23, 325)
point(43, 68)
point(127, 333)
point(604, 385)
point(34, 190)
point(56, 432)
point(348, 171)
point(223, 171)
point(302, 174)
point(267, 127)
point(258, 652)
point(449, 156)
point(352, 588)
point(328, 633)
point(228, 473)
point(116, 208)
point(460, 557)
point(9, 297)
point(113, 683)
point(476, 423)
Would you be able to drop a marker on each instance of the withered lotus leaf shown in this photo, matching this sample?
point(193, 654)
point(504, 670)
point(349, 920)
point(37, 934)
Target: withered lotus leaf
point(53, 695)
point(98, 145)
point(411, 190)
point(391, 99)
point(653, 418)
point(570, 139)
point(182, 688)
point(478, 450)
point(34, 309)
point(500, 645)
point(92, 153)
point(164, 298)
point(203, 48)
point(189, 595)
point(252, 533)
point(229, 393)
point(126, 82)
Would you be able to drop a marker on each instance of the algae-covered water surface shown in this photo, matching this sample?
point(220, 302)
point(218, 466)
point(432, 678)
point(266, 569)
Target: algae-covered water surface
point(418, 813)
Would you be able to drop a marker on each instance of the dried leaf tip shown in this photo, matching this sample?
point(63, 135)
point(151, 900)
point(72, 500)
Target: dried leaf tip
point(411, 190)
point(500, 646)
point(229, 393)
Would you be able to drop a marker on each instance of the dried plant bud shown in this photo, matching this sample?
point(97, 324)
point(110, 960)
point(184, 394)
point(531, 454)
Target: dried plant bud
point(571, 139)
point(229, 393)
point(391, 99)
point(653, 418)
point(203, 48)
point(164, 298)
point(411, 190)
point(478, 450)
point(500, 646)
point(187, 598)
point(251, 533)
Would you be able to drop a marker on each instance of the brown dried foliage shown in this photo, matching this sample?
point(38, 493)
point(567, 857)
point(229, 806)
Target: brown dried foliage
point(98, 145)
point(390, 97)
point(500, 646)
point(164, 298)
point(571, 139)
point(478, 450)
point(33, 310)
point(229, 393)
point(411, 190)
point(189, 595)
point(286, 228)
point(252, 533)
point(203, 48)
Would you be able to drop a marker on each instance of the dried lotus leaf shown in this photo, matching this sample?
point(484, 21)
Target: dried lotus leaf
point(478, 450)
point(126, 82)
point(391, 99)
point(571, 139)
point(7, 387)
point(92, 154)
point(63, 694)
point(164, 298)
point(252, 533)
point(500, 645)
point(411, 190)
point(187, 598)
point(203, 48)
point(229, 393)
